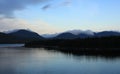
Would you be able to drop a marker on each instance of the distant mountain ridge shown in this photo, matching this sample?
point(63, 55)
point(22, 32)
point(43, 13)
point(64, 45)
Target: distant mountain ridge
point(74, 32)
point(67, 34)
point(23, 36)
point(86, 34)
point(107, 33)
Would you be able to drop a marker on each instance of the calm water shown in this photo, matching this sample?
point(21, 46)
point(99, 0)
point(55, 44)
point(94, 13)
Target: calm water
point(20, 60)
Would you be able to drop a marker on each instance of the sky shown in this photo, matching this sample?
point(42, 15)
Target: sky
point(52, 16)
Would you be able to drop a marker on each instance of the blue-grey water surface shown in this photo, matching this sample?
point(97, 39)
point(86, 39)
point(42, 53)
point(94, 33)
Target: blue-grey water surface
point(20, 60)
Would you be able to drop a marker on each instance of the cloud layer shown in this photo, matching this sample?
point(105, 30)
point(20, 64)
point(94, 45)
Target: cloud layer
point(7, 7)
point(9, 24)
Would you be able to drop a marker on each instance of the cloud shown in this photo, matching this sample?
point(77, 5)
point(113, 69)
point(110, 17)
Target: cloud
point(7, 7)
point(43, 27)
point(56, 5)
point(9, 24)
point(46, 7)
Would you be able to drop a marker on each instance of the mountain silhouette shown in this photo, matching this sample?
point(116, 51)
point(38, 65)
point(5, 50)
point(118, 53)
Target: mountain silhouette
point(26, 34)
point(69, 35)
point(20, 36)
point(107, 33)
point(66, 36)
point(23, 36)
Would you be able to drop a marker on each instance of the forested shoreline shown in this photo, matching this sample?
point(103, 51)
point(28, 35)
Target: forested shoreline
point(96, 42)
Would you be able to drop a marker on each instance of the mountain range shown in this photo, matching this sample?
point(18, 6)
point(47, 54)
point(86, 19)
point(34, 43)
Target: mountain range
point(22, 35)
point(81, 34)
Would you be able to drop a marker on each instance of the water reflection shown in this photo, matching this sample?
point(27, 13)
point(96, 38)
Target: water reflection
point(46, 61)
point(88, 55)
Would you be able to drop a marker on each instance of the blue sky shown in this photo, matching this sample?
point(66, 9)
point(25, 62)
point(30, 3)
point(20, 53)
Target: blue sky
point(96, 15)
